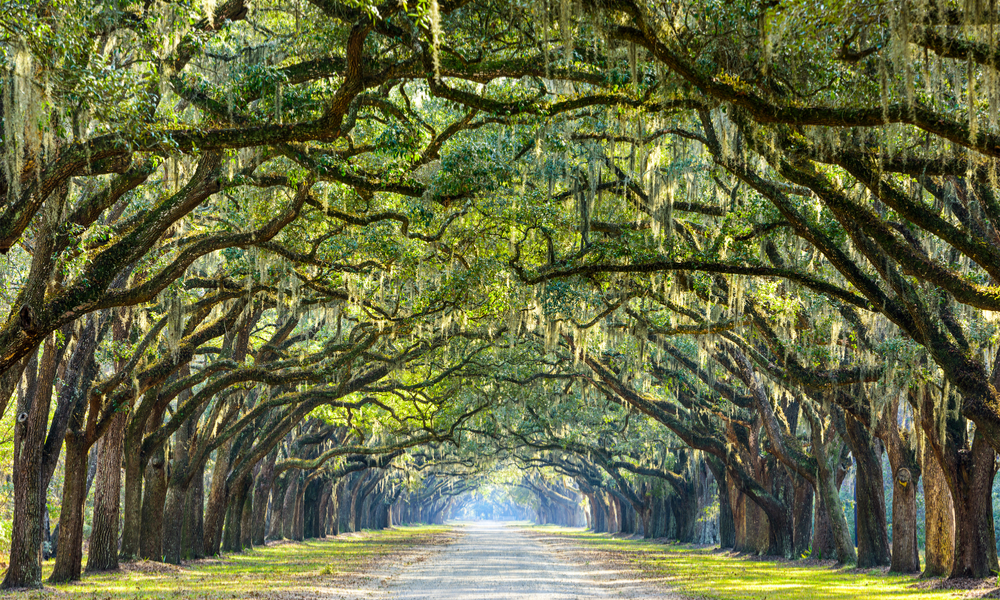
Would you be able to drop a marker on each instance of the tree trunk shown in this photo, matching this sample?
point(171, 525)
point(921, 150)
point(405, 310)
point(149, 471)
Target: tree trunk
point(103, 555)
point(905, 554)
point(193, 532)
point(25, 569)
point(178, 484)
point(975, 541)
point(153, 500)
point(173, 524)
point(872, 530)
point(802, 516)
point(132, 509)
point(246, 523)
point(939, 518)
point(333, 527)
point(832, 532)
point(288, 506)
point(298, 524)
point(261, 493)
point(905, 473)
point(234, 515)
point(727, 528)
point(69, 552)
point(738, 505)
point(685, 511)
point(218, 498)
point(278, 492)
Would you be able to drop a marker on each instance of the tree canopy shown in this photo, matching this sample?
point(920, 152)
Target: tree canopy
point(294, 265)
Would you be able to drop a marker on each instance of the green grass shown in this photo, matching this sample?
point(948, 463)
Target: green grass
point(702, 573)
point(289, 570)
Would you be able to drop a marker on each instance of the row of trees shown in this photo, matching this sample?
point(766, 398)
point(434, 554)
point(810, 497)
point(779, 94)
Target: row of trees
point(295, 267)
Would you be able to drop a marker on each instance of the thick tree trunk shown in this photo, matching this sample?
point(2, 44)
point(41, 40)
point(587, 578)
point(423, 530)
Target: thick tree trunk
point(324, 508)
point(685, 512)
point(333, 527)
point(25, 569)
point(234, 515)
point(69, 552)
point(759, 526)
point(103, 554)
point(278, 493)
point(802, 517)
point(153, 500)
point(178, 484)
point(727, 528)
point(905, 553)
point(261, 493)
point(832, 533)
point(218, 498)
point(298, 518)
point(939, 518)
point(288, 506)
point(193, 532)
point(872, 529)
point(975, 541)
point(246, 523)
point(905, 473)
point(822, 546)
point(353, 506)
point(738, 505)
point(132, 508)
point(173, 524)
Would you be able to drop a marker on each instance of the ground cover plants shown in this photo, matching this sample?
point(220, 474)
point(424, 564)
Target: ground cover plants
point(284, 571)
point(707, 573)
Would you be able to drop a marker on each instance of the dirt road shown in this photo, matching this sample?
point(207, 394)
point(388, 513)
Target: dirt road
point(492, 562)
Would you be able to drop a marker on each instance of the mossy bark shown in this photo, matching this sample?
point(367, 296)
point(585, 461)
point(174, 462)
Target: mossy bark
point(939, 518)
point(153, 504)
point(69, 553)
point(975, 541)
point(871, 530)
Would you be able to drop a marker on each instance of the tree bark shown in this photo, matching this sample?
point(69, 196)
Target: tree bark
point(132, 509)
point(173, 524)
point(288, 506)
point(69, 552)
point(193, 533)
point(975, 541)
point(261, 493)
point(25, 569)
point(872, 529)
point(906, 473)
point(103, 555)
point(939, 518)
point(802, 516)
point(278, 493)
point(153, 501)
point(234, 515)
point(831, 531)
point(727, 528)
point(215, 514)
point(246, 521)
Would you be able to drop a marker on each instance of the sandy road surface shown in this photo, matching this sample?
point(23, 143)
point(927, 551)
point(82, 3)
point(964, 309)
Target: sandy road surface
point(493, 562)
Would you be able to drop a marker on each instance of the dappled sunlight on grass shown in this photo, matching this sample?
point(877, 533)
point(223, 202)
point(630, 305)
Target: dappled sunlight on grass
point(285, 570)
point(704, 573)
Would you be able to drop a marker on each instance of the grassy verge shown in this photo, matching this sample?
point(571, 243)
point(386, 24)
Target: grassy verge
point(706, 574)
point(333, 567)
